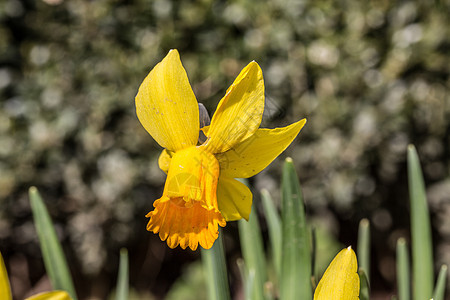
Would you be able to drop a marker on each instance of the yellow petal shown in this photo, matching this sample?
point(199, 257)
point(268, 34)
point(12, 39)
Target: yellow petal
point(234, 199)
point(239, 113)
point(5, 290)
point(340, 281)
point(164, 160)
point(258, 151)
point(166, 105)
point(54, 295)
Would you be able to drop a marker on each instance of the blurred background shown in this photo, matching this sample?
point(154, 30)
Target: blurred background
point(371, 77)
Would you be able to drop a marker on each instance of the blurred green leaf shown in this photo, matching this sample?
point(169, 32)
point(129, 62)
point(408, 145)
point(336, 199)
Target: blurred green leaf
point(439, 290)
point(364, 290)
point(295, 281)
point(422, 254)
point(253, 251)
point(190, 285)
point(122, 280)
point(248, 279)
point(364, 247)
point(274, 225)
point(216, 270)
point(403, 270)
point(54, 259)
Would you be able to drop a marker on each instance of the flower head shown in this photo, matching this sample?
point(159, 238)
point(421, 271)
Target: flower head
point(200, 192)
point(340, 281)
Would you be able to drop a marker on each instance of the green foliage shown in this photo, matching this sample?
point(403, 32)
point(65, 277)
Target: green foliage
point(403, 271)
point(253, 254)
point(274, 226)
point(295, 280)
point(422, 253)
point(52, 253)
point(439, 290)
point(363, 250)
point(122, 280)
point(191, 284)
point(364, 293)
point(216, 270)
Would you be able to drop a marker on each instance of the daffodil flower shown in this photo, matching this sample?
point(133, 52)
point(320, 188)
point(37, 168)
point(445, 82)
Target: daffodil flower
point(5, 290)
point(200, 192)
point(341, 280)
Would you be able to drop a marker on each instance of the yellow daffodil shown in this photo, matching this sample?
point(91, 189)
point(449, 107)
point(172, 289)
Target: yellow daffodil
point(200, 192)
point(5, 290)
point(341, 280)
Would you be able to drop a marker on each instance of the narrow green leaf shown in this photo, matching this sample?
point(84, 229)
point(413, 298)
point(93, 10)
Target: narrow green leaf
point(364, 290)
point(248, 279)
point(364, 247)
point(216, 270)
point(295, 281)
point(439, 290)
point(122, 278)
point(253, 251)
point(422, 254)
point(54, 259)
point(403, 270)
point(274, 225)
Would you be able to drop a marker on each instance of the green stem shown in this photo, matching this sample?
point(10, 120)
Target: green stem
point(216, 270)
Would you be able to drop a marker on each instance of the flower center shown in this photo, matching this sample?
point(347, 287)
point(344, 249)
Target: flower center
point(192, 177)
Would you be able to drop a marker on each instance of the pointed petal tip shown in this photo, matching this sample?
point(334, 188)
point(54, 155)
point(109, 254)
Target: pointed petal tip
point(253, 65)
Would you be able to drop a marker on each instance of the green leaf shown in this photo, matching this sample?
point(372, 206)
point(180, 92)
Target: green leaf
point(216, 270)
point(403, 270)
point(122, 278)
point(364, 247)
point(248, 278)
point(295, 281)
point(274, 225)
point(54, 259)
point(439, 290)
point(364, 290)
point(253, 251)
point(422, 254)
